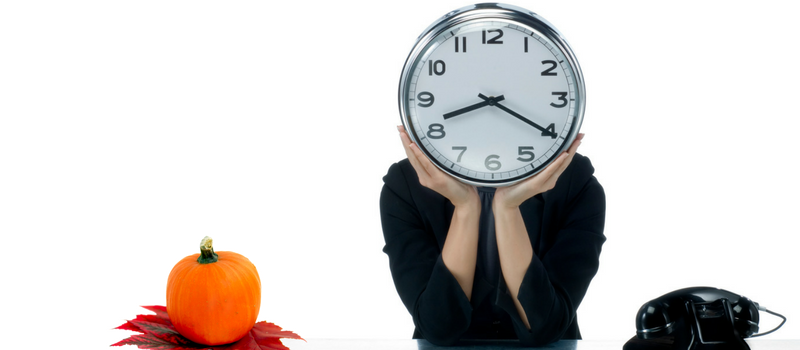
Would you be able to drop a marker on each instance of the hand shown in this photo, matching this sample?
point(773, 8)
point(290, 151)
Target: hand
point(512, 196)
point(460, 194)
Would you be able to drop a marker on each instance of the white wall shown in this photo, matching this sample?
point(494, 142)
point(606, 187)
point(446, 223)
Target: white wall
point(130, 130)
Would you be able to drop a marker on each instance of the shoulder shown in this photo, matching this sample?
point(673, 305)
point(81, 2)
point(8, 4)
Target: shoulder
point(399, 173)
point(400, 178)
point(402, 181)
point(580, 170)
point(575, 179)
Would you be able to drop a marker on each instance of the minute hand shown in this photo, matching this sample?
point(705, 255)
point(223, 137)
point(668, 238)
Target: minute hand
point(544, 131)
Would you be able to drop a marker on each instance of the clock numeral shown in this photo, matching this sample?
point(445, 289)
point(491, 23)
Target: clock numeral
point(526, 44)
point(526, 150)
point(437, 67)
point(462, 149)
point(496, 39)
point(548, 71)
point(463, 44)
point(426, 98)
point(492, 162)
point(436, 131)
point(550, 130)
point(562, 96)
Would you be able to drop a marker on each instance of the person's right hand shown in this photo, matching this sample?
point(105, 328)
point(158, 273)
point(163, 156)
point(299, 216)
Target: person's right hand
point(459, 193)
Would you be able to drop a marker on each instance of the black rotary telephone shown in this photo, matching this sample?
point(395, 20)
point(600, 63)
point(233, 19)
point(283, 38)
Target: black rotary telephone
point(697, 318)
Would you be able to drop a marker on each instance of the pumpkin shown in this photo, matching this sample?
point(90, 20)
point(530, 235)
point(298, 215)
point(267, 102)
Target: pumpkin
point(213, 298)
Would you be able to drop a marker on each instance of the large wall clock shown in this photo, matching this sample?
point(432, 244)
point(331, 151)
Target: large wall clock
point(492, 94)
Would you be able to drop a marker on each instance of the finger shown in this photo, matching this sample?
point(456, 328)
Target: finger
point(405, 140)
point(568, 156)
point(404, 137)
point(520, 192)
point(548, 177)
point(554, 169)
point(573, 148)
point(406, 143)
point(431, 169)
point(551, 182)
point(413, 158)
point(576, 143)
point(420, 157)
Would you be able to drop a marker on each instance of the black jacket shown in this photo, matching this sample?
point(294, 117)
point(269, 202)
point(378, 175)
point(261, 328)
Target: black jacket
point(565, 226)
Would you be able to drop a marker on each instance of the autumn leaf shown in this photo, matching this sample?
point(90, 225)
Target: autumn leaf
point(158, 333)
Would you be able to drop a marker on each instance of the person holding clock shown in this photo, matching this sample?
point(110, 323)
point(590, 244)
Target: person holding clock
point(493, 224)
point(525, 284)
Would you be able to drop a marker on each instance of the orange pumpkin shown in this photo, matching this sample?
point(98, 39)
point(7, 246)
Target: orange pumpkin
point(213, 298)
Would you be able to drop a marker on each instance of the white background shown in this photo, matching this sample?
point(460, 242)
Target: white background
point(130, 130)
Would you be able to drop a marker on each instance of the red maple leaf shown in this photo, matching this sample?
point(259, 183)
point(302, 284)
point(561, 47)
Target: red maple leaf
point(158, 333)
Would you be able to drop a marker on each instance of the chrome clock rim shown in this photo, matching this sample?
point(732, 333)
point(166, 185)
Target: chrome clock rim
point(501, 12)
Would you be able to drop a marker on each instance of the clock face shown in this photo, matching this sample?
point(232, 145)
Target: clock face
point(491, 101)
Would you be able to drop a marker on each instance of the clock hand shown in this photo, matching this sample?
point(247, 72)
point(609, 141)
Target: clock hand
point(544, 131)
point(489, 101)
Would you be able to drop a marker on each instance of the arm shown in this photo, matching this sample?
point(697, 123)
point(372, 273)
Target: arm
point(515, 251)
point(546, 289)
point(440, 308)
point(434, 297)
point(513, 244)
point(460, 251)
point(558, 277)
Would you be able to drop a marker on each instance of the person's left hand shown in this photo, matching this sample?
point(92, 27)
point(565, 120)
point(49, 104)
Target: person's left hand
point(513, 196)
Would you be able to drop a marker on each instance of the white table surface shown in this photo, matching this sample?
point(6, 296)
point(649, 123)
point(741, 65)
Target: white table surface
point(412, 344)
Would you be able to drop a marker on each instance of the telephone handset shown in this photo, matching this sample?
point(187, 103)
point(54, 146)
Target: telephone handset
point(697, 318)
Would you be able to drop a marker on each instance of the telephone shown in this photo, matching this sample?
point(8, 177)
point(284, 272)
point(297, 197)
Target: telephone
point(697, 318)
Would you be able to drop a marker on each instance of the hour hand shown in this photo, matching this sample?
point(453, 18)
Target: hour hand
point(488, 101)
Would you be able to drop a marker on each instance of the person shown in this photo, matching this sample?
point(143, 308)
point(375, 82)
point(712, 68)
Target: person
point(482, 263)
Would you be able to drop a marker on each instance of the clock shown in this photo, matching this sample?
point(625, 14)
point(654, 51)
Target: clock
point(492, 94)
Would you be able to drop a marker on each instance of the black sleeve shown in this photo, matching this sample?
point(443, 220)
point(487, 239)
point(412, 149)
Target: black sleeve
point(557, 279)
point(439, 307)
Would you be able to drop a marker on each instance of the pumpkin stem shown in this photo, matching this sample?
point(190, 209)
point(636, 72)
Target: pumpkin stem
point(207, 255)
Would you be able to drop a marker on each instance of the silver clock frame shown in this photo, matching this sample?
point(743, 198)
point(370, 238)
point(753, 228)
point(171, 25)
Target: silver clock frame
point(499, 11)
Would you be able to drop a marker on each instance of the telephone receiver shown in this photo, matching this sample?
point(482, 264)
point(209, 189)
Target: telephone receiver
point(697, 318)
